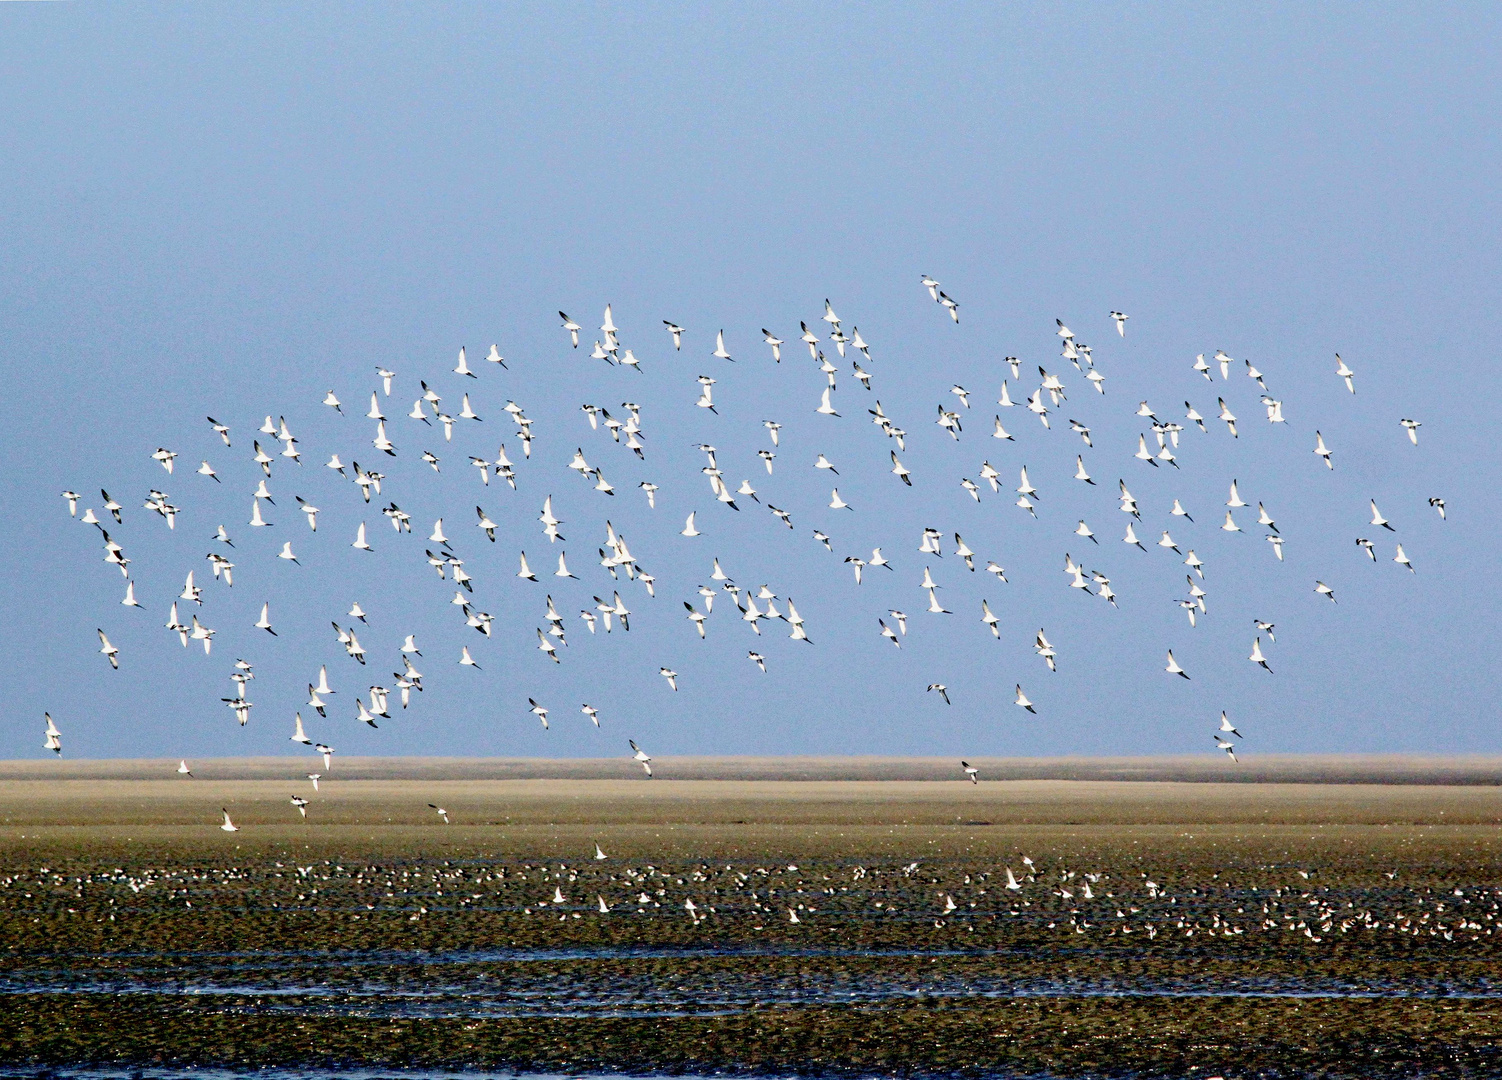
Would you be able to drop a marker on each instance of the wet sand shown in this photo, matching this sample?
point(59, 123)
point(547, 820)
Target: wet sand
point(1277, 929)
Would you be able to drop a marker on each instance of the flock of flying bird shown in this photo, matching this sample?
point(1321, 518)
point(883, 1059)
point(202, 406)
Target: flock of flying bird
point(756, 608)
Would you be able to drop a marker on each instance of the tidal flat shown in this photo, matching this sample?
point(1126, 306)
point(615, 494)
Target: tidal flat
point(838, 927)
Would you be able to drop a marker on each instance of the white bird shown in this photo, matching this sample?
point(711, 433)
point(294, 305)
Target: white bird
point(1378, 519)
point(901, 471)
point(1227, 726)
point(298, 735)
point(1022, 700)
point(688, 527)
point(943, 691)
point(1322, 450)
point(887, 632)
point(989, 619)
point(1174, 668)
point(360, 542)
point(1120, 320)
point(130, 594)
point(1235, 499)
point(264, 622)
point(641, 756)
point(1084, 530)
point(228, 826)
point(466, 659)
point(1036, 407)
point(53, 736)
point(539, 711)
point(286, 553)
point(1438, 504)
point(1230, 524)
point(825, 408)
point(670, 675)
point(165, 457)
point(1229, 748)
point(1412, 426)
point(1225, 414)
point(110, 651)
point(572, 327)
point(720, 352)
point(1400, 557)
point(1343, 371)
point(1257, 657)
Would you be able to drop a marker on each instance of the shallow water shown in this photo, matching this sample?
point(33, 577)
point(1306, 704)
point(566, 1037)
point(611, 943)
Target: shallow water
point(684, 982)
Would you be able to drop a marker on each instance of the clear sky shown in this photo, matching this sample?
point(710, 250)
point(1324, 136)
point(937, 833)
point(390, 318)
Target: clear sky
point(229, 211)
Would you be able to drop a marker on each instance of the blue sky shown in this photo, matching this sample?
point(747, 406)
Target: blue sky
point(228, 212)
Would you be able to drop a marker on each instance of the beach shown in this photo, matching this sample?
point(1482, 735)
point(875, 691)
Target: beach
point(752, 925)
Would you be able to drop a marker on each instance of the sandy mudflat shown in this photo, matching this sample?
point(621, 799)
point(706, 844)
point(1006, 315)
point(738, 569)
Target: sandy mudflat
point(847, 923)
point(1201, 768)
